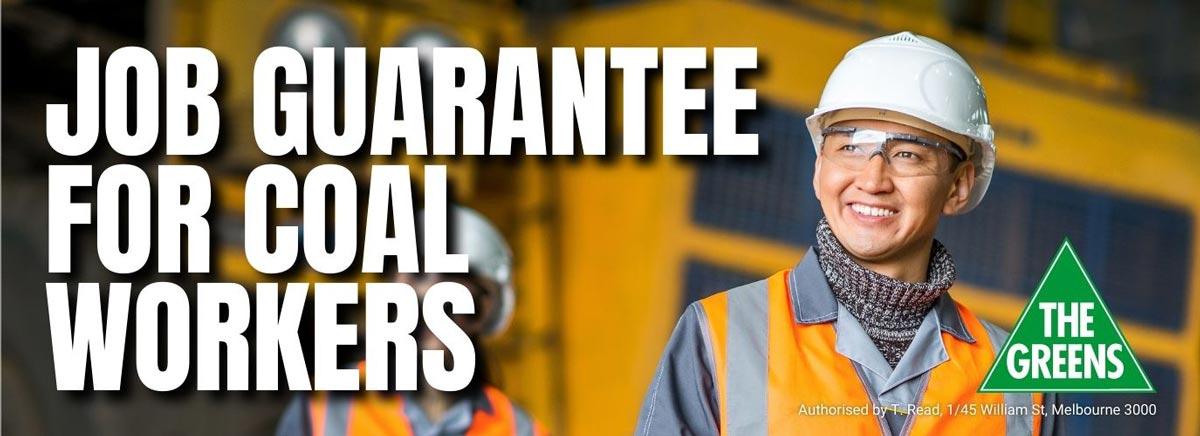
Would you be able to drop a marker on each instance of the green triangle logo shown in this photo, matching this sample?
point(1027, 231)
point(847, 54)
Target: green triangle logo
point(1066, 340)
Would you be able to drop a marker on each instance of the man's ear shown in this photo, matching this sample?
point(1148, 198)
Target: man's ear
point(816, 175)
point(960, 189)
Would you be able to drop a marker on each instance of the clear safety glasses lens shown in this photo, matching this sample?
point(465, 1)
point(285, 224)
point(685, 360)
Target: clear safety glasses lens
point(906, 155)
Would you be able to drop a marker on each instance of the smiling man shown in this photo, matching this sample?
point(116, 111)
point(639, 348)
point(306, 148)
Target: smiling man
point(862, 336)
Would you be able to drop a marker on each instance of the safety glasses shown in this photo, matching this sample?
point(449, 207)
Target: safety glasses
point(907, 155)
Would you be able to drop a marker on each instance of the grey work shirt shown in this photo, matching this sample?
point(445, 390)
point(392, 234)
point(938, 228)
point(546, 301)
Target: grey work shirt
point(682, 398)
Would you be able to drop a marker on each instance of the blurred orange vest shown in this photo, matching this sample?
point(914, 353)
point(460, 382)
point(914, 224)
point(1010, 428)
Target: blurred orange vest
point(374, 414)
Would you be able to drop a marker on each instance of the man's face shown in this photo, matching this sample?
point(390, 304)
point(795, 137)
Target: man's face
point(471, 324)
point(878, 216)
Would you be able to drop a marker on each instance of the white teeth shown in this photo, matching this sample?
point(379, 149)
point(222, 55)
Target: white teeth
point(871, 211)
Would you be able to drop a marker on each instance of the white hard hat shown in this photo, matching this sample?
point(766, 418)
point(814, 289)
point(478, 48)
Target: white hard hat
point(425, 39)
point(490, 262)
point(912, 79)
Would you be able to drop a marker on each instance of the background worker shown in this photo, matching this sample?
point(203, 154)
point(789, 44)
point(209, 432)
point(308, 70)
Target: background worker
point(864, 321)
point(480, 408)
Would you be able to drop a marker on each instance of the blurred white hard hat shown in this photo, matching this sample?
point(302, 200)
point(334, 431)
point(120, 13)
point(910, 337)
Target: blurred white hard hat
point(913, 80)
point(490, 262)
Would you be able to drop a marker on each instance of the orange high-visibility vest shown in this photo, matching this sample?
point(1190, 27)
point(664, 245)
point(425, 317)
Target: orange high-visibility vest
point(379, 414)
point(803, 368)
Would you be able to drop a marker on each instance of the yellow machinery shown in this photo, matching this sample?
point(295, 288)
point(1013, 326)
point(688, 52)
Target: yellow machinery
point(609, 251)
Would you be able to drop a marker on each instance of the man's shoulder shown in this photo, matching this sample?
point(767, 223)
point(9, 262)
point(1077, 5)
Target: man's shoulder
point(996, 335)
point(755, 286)
point(992, 327)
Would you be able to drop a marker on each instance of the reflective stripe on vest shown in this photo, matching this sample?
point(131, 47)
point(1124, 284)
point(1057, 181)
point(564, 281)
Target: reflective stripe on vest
point(767, 367)
point(371, 414)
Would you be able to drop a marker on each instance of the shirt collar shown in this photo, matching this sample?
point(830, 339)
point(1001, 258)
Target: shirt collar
point(813, 301)
point(477, 400)
point(456, 420)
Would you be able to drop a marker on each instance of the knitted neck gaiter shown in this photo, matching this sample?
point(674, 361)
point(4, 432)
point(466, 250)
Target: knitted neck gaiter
point(890, 310)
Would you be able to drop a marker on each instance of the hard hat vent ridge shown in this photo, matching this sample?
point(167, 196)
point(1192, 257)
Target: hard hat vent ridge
point(904, 37)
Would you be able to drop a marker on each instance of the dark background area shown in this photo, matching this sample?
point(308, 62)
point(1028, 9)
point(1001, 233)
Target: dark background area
point(39, 43)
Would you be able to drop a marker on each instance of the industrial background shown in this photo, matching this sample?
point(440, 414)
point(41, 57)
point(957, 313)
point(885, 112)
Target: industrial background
point(1096, 105)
